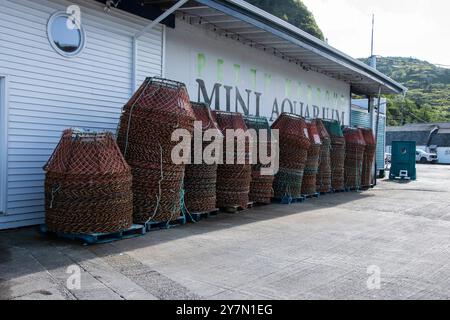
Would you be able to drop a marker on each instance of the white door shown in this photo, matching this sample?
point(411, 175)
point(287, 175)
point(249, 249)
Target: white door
point(3, 145)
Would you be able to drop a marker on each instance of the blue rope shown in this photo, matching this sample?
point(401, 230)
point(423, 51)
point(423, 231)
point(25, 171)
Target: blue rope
point(184, 209)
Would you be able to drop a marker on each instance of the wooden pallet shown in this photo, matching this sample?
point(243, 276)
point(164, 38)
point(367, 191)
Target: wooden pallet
point(154, 226)
point(261, 204)
point(136, 230)
point(198, 216)
point(236, 209)
point(288, 200)
point(311, 196)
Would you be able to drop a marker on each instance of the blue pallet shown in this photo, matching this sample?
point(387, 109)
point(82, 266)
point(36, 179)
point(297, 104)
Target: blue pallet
point(288, 200)
point(153, 226)
point(134, 231)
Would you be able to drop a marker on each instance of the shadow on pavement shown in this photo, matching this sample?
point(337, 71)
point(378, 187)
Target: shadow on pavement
point(33, 253)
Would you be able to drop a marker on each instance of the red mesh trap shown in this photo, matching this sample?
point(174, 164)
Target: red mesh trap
point(233, 180)
point(148, 120)
point(293, 145)
point(87, 185)
point(323, 182)
point(200, 179)
point(312, 161)
point(369, 157)
point(261, 187)
point(354, 155)
point(337, 155)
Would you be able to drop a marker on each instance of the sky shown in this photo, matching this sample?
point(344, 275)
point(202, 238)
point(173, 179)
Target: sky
point(407, 28)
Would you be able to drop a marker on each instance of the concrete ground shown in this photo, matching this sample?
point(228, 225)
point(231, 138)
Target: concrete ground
point(327, 248)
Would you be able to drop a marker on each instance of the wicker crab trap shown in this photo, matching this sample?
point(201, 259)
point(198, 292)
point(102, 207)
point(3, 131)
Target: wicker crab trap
point(148, 120)
point(233, 180)
point(369, 157)
point(354, 156)
point(261, 187)
point(293, 145)
point(200, 179)
point(323, 181)
point(87, 185)
point(312, 161)
point(337, 154)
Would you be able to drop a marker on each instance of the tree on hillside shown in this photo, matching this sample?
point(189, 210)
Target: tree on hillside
point(428, 97)
point(292, 11)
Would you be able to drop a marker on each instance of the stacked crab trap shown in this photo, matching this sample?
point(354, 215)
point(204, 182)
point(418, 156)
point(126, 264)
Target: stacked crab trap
point(369, 158)
point(309, 188)
point(234, 175)
point(293, 152)
point(354, 156)
point(88, 188)
point(261, 190)
point(337, 155)
point(201, 178)
point(323, 181)
point(155, 111)
point(174, 160)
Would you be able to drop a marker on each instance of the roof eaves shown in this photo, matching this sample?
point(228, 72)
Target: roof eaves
point(306, 40)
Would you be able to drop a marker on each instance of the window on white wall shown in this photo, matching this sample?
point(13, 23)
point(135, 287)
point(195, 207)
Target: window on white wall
point(66, 34)
point(3, 146)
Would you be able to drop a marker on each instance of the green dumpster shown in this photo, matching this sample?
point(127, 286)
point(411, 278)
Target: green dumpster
point(403, 163)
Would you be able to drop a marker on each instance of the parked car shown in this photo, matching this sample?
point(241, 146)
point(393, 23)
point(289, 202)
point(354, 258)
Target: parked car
point(425, 157)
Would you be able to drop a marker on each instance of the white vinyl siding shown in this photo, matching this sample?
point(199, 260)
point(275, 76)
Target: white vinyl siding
point(3, 143)
point(48, 93)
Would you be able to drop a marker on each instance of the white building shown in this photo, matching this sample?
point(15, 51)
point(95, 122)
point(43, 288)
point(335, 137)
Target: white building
point(430, 137)
point(56, 74)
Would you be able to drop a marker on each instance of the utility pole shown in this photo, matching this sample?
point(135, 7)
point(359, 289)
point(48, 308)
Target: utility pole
point(373, 64)
point(373, 58)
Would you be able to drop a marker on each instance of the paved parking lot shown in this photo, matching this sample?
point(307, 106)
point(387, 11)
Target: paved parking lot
point(327, 248)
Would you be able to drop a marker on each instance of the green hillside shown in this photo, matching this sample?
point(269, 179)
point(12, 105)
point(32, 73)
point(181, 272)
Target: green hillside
point(292, 11)
point(428, 98)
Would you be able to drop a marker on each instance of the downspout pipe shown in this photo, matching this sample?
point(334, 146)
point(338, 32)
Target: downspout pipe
point(376, 132)
point(134, 67)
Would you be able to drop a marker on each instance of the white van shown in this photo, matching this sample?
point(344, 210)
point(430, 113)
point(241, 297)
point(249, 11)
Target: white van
point(425, 157)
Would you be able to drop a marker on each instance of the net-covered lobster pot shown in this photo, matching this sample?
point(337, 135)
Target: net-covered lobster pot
point(233, 179)
point(293, 147)
point(148, 120)
point(369, 157)
point(354, 155)
point(312, 161)
point(323, 182)
point(337, 154)
point(87, 185)
point(261, 187)
point(201, 178)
